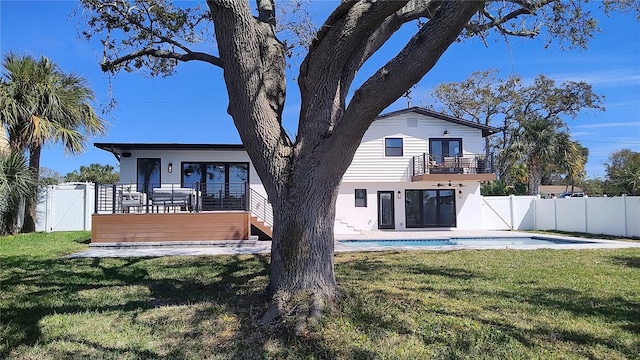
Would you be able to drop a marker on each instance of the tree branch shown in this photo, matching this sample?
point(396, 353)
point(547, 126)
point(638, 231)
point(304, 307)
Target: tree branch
point(324, 71)
point(359, 51)
point(267, 12)
point(498, 22)
point(164, 54)
point(403, 71)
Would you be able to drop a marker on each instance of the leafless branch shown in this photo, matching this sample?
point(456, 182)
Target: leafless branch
point(498, 22)
point(165, 54)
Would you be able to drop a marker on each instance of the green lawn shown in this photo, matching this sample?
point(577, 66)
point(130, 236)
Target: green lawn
point(543, 304)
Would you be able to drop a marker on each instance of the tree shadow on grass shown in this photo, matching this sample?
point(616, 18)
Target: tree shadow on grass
point(85, 240)
point(555, 300)
point(630, 261)
point(396, 295)
point(375, 312)
point(35, 289)
point(382, 264)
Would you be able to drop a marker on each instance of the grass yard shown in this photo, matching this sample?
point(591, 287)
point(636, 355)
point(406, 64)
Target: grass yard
point(506, 304)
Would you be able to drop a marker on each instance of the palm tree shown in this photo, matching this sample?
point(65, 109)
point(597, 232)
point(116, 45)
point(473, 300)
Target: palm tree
point(40, 104)
point(571, 159)
point(16, 183)
point(538, 142)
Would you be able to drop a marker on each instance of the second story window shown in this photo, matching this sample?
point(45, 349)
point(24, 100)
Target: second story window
point(393, 147)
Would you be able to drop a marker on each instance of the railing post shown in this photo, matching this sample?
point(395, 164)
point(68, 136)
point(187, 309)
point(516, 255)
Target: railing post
point(424, 163)
point(146, 200)
point(491, 164)
point(113, 199)
point(96, 198)
point(247, 207)
point(198, 195)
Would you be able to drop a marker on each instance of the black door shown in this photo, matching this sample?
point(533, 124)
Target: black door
point(386, 218)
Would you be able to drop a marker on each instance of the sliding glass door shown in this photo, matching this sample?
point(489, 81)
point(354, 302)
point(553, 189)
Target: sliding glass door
point(430, 208)
point(220, 185)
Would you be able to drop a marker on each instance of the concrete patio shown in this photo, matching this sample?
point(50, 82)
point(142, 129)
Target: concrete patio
point(264, 247)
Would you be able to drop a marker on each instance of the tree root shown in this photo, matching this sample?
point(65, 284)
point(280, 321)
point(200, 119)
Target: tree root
point(300, 313)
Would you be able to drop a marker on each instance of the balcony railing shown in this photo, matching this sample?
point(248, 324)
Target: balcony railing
point(446, 164)
point(197, 197)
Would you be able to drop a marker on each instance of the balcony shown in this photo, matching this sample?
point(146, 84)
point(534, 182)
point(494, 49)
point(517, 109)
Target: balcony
point(440, 167)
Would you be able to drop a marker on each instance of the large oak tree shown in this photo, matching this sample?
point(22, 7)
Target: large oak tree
point(301, 175)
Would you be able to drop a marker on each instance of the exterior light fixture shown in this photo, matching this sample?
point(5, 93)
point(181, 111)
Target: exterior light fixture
point(170, 168)
point(399, 194)
point(446, 132)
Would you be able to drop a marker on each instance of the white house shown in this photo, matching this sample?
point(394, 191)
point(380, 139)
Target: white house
point(414, 169)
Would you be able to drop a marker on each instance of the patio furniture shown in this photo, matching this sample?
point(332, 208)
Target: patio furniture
point(468, 165)
point(131, 199)
point(173, 198)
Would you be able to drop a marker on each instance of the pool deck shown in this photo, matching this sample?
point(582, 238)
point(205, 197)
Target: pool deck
point(264, 247)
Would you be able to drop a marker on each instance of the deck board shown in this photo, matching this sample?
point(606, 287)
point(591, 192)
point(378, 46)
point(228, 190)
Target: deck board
point(170, 227)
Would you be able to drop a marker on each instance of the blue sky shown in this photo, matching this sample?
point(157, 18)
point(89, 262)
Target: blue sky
point(190, 106)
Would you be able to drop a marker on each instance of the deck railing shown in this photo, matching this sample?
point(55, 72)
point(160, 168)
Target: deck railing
point(455, 164)
point(261, 208)
point(196, 197)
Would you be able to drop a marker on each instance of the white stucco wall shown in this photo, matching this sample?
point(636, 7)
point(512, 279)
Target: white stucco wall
point(468, 204)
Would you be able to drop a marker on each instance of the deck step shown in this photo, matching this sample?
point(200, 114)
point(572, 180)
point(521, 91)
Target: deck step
point(160, 244)
point(268, 230)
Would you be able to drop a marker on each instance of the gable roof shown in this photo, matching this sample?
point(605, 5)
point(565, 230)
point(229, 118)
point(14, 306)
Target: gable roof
point(486, 130)
point(117, 149)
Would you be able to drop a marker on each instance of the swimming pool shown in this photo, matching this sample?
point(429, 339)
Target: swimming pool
point(472, 242)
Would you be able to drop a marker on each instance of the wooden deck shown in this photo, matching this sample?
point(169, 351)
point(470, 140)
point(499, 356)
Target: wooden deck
point(170, 227)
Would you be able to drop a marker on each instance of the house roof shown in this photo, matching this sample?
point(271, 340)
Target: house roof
point(486, 130)
point(117, 149)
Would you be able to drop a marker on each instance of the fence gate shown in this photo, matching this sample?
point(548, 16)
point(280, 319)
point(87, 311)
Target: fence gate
point(496, 213)
point(66, 207)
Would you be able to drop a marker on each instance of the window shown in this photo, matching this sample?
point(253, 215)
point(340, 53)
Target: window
point(148, 174)
point(393, 147)
point(361, 197)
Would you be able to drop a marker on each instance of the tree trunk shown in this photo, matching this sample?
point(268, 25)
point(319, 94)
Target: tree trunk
point(535, 178)
point(29, 224)
point(302, 281)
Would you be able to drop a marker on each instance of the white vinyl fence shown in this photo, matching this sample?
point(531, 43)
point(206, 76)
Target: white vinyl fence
point(68, 207)
point(65, 207)
point(619, 216)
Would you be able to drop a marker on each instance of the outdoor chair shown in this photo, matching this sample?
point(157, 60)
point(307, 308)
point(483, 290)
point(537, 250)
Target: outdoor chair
point(131, 199)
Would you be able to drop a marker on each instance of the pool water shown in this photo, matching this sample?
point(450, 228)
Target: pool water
point(505, 241)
